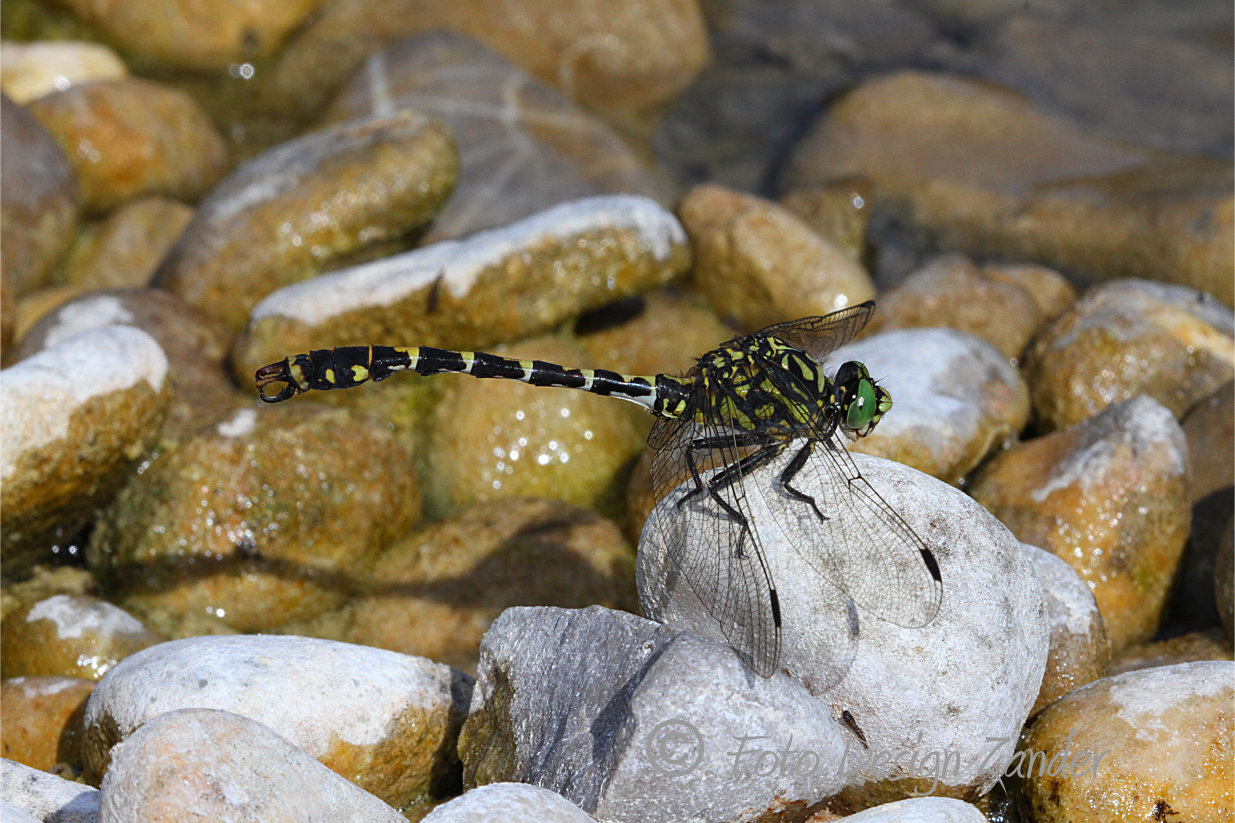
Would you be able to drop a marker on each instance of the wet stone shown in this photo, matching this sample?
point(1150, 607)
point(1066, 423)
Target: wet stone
point(124, 249)
point(1047, 287)
point(1109, 496)
point(389, 725)
point(523, 146)
point(188, 35)
point(77, 415)
point(435, 592)
point(195, 345)
point(510, 802)
point(1127, 338)
point(625, 61)
point(839, 212)
point(45, 797)
point(1003, 314)
point(494, 286)
point(267, 517)
point(31, 70)
point(661, 332)
point(132, 137)
point(769, 73)
point(759, 264)
point(70, 636)
point(1080, 652)
point(42, 721)
point(308, 205)
point(983, 653)
point(955, 398)
point(1187, 648)
point(38, 200)
point(1156, 87)
point(1129, 747)
point(226, 767)
point(491, 439)
point(986, 171)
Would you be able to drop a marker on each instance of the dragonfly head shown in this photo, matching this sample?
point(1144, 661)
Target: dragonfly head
point(860, 402)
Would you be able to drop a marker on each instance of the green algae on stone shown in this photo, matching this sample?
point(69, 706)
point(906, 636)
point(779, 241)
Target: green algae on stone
point(267, 517)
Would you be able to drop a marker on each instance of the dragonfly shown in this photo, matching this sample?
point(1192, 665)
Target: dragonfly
point(742, 405)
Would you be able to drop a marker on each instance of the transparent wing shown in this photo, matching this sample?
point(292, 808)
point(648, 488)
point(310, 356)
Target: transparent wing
point(864, 547)
point(701, 540)
point(820, 336)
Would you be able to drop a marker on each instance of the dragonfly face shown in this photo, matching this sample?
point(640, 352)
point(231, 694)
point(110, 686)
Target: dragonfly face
point(859, 401)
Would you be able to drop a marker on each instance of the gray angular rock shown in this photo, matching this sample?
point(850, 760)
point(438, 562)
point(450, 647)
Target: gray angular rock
point(620, 715)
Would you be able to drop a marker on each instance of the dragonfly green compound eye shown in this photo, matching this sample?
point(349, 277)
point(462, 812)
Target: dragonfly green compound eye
point(863, 408)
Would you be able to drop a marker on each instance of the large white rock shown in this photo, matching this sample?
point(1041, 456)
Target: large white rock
point(945, 701)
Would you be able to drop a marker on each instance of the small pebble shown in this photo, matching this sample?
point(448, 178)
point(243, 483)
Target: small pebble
point(31, 70)
point(42, 721)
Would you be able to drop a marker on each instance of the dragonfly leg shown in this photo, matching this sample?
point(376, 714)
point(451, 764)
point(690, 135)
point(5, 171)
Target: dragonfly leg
point(795, 466)
point(731, 473)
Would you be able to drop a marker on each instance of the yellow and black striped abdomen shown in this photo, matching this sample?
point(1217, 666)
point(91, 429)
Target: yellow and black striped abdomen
point(348, 366)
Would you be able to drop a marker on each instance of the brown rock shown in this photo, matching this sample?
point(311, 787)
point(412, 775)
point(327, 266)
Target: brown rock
point(42, 721)
point(124, 249)
point(1188, 648)
point(1109, 496)
point(306, 206)
point(38, 200)
point(986, 171)
point(1001, 313)
point(1138, 746)
point(434, 593)
point(523, 146)
point(1080, 652)
point(70, 635)
point(1047, 287)
point(495, 286)
point(495, 439)
point(839, 212)
point(1128, 338)
point(626, 60)
point(132, 137)
point(661, 332)
point(189, 35)
point(268, 517)
point(759, 264)
point(195, 344)
point(76, 417)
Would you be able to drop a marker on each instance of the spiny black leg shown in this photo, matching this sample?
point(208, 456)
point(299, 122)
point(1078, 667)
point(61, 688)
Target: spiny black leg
point(703, 444)
point(795, 466)
point(731, 474)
